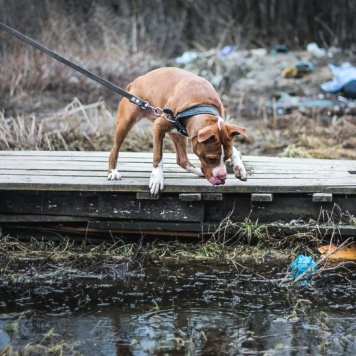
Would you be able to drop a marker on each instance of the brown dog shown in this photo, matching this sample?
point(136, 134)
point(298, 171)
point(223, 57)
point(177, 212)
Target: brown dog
point(212, 139)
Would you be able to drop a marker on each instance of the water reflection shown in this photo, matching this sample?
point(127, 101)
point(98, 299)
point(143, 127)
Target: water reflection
point(207, 331)
point(186, 310)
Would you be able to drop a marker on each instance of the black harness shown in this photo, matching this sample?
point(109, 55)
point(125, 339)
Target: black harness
point(195, 110)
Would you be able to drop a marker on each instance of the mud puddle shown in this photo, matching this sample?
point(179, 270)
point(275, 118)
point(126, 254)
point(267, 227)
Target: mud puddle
point(189, 309)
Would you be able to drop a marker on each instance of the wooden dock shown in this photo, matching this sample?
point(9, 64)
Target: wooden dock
point(69, 191)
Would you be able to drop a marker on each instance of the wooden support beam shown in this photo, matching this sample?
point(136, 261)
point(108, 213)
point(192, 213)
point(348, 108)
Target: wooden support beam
point(262, 197)
point(322, 197)
point(212, 196)
point(190, 197)
point(146, 196)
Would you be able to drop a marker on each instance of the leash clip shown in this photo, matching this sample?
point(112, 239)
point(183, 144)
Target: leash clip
point(159, 113)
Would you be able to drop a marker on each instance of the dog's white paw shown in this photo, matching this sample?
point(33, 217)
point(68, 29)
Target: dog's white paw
point(114, 175)
point(194, 170)
point(237, 165)
point(157, 180)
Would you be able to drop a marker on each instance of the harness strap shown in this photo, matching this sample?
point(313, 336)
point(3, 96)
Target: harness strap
point(199, 109)
point(195, 110)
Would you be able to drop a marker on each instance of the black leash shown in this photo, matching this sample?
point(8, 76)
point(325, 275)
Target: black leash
point(196, 110)
point(134, 99)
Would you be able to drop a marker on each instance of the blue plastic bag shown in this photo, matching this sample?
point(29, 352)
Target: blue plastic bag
point(342, 75)
point(303, 264)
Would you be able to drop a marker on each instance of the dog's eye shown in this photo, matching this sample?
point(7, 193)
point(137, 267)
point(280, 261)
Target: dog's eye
point(211, 159)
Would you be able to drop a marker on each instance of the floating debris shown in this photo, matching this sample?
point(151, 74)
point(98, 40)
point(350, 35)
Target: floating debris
point(345, 253)
point(303, 266)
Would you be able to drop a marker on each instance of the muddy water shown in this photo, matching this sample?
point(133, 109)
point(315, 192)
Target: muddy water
point(191, 309)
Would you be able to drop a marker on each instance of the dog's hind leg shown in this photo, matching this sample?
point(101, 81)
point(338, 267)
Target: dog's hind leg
point(180, 144)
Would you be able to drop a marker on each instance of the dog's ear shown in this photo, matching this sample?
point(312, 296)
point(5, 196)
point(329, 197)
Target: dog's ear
point(205, 133)
point(234, 130)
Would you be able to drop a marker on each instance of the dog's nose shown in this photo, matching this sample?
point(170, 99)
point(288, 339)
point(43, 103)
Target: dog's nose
point(217, 180)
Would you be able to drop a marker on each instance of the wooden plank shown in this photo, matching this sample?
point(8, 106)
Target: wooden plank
point(53, 170)
point(37, 218)
point(105, 155)
point(322, 197)
point(318, 230)
point(162, 228)
point(191, 185)
point(137, 166)
point(72, 187)
point(191, 180)
point(283, 207)
point(271, 161)
point(258, 197)
point(92, 156)
point(109, 205)
point(190, 197)
point(212, 196)
point(39, 170)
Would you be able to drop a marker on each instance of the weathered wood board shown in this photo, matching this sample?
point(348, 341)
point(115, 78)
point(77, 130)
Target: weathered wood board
point(41, 187)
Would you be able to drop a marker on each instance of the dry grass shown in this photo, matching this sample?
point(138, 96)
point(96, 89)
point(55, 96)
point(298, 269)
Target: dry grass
point(76, 127)
point(91, 127)
point(297, 135)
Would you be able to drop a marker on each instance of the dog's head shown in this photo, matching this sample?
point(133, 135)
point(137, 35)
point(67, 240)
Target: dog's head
point(214, 146)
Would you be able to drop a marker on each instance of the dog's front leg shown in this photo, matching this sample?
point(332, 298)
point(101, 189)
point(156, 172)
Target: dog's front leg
point(128, 114)
point(180, 145)
point(157, 178)
point(237, 165)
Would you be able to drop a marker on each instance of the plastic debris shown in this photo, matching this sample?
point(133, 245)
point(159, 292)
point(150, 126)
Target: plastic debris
point(343, 78)
point(349, 90)
point(224, 52)
point(299, 70)
point(281, 48)
point(259, 52)
point(346, 253)
point(304, 67)
point(187, 57)
point(303, 265)
point(315, 50)
point(286, 103)
point(289, 72)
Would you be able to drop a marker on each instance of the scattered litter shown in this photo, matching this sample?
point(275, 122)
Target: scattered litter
point(287, 102)
point(225, 51)
point(259, 52)
point(299, 70)
point(349, 90)
point(187, 57)
point(242, 70)
point(302, 265)
point(344, 78)
point(315, 50)
point(346, 253)
point(289, 72)
point(281, 49)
